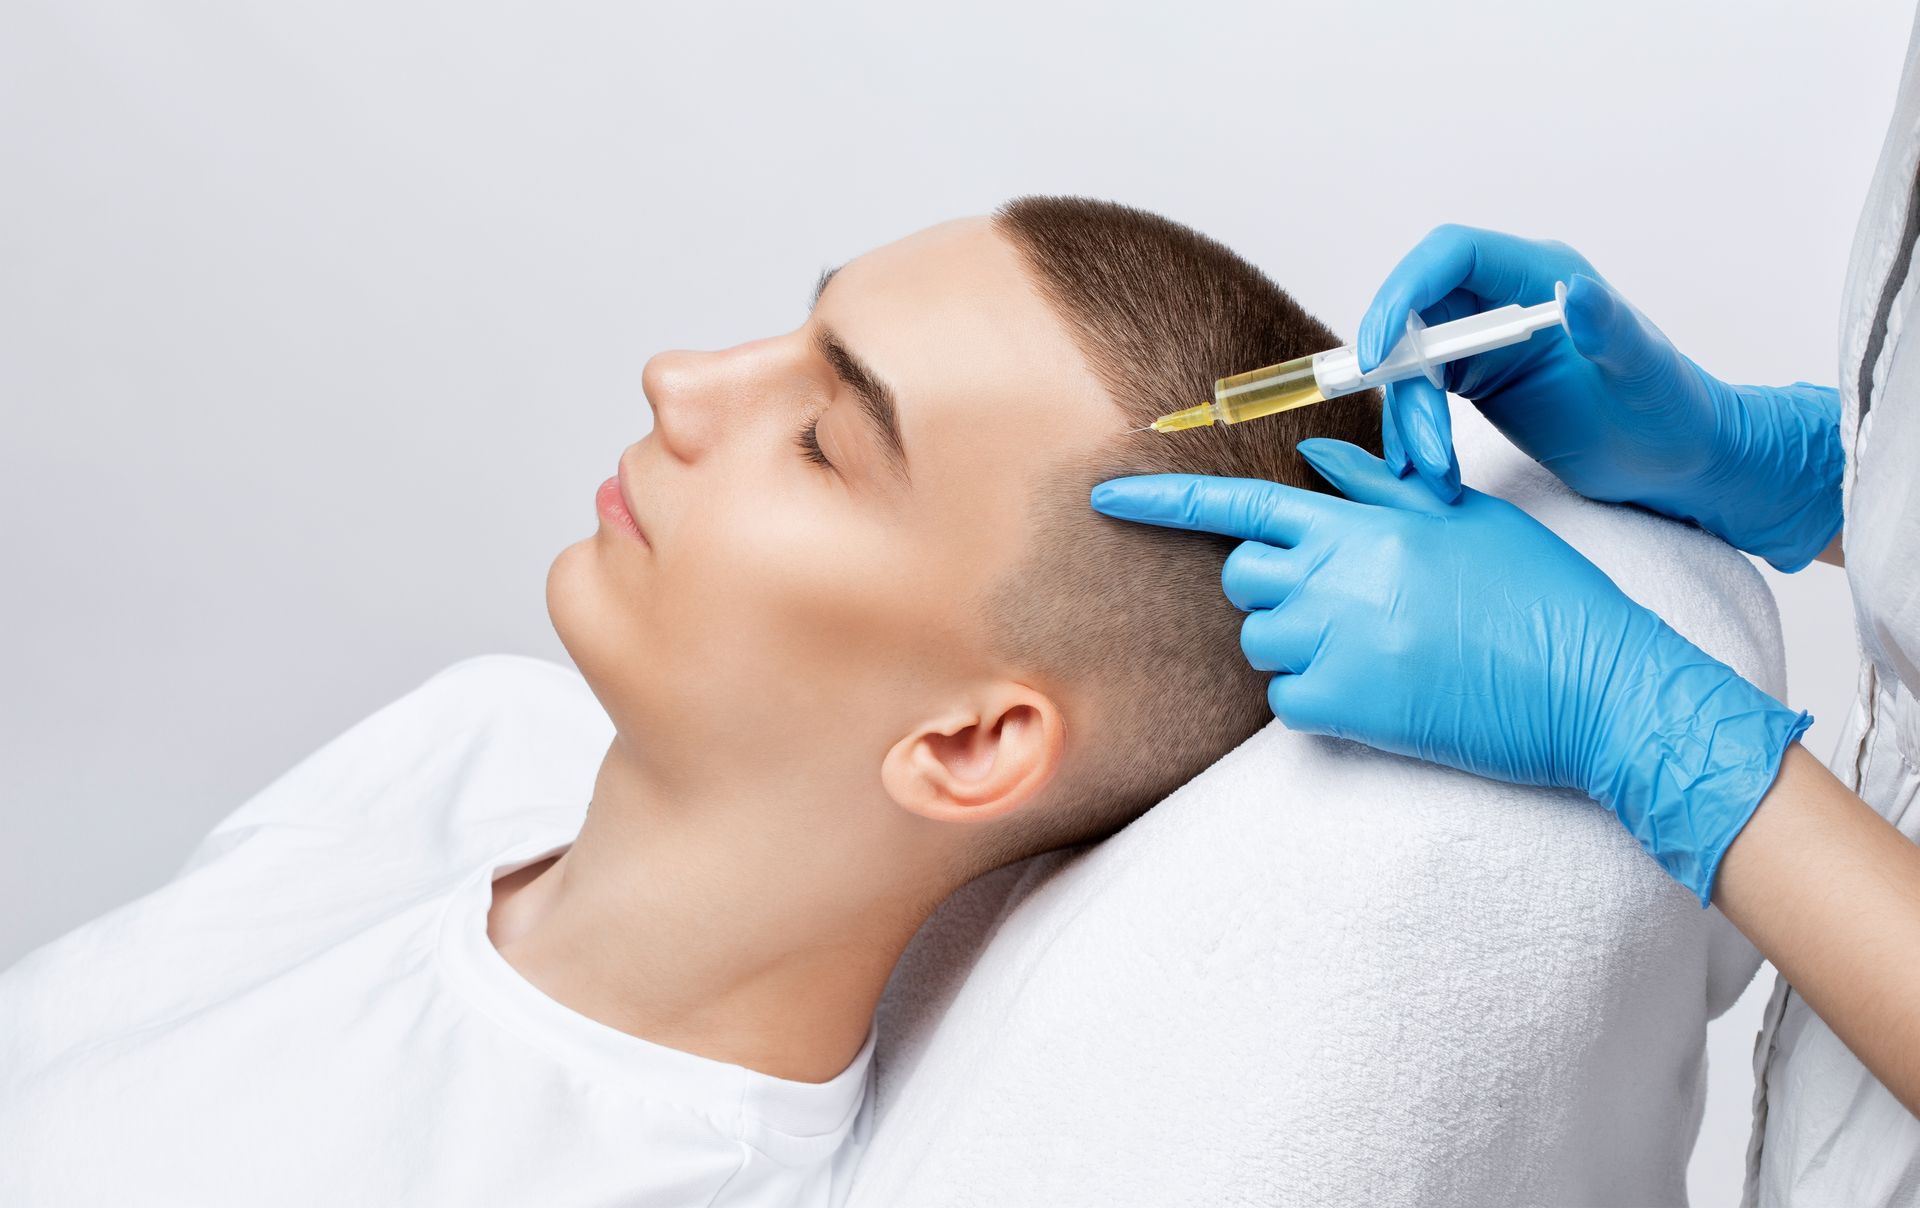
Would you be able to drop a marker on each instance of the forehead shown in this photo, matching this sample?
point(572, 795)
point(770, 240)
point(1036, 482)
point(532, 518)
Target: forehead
point(990, 385)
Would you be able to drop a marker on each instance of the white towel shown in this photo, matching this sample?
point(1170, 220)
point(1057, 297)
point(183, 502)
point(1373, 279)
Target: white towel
point(1318, 974)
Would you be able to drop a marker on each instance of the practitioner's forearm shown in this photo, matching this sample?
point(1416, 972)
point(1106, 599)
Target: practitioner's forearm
point(1833, 555)
point(1830, 892)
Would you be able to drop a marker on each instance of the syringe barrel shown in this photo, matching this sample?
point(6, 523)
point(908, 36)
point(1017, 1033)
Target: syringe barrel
point(1337, 371)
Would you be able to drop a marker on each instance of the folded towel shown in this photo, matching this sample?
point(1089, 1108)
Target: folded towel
point(1320, 974)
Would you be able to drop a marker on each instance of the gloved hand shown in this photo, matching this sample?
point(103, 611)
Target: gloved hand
point(1471, 635)
point(1616, 412)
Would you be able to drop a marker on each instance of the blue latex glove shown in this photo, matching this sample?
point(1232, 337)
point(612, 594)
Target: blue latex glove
point(1471, 635)
point(1616, 412)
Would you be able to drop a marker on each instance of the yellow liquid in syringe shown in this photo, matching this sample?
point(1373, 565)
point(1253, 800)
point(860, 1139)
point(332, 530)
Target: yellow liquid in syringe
point(1251, 395)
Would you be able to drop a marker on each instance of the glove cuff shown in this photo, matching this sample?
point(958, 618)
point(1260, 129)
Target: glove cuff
point(1692, 749)
point(1773, 488)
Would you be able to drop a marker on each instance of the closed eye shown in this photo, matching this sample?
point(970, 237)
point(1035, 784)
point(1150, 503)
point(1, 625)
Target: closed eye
point(808, 438)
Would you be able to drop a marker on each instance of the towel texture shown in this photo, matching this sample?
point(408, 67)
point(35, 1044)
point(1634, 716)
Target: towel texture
point(1318, 974)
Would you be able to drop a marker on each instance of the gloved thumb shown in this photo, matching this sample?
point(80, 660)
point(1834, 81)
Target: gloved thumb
point(1625, 347)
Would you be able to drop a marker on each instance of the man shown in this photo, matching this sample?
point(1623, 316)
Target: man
point(860, 639)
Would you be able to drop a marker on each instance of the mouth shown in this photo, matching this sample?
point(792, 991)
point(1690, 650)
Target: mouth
point(616, 508)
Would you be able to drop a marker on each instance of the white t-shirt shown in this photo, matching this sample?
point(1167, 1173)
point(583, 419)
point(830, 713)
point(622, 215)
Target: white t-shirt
point(311, 1011)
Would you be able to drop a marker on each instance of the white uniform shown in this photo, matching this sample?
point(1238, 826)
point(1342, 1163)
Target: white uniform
point(1825, 1130)
point(311, 1011)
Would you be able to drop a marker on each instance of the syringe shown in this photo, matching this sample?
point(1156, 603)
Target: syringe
point(1306, 380)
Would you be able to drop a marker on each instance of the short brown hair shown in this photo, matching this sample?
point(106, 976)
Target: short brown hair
point(1134, 615)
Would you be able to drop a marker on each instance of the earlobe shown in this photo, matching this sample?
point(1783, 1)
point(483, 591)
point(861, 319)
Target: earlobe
point(980, 761)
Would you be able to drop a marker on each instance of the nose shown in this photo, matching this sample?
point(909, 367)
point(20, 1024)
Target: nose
point(699, 397)
point(672, 382)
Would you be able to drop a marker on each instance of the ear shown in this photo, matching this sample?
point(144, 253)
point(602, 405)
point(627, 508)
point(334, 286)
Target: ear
point(985, 758)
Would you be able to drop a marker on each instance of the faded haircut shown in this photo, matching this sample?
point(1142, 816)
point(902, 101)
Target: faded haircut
point(1132, 617)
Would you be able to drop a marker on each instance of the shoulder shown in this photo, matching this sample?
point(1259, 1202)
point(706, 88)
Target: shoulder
point(485, 736)
point(493, 708)
point(486, 686)
point(484, 672)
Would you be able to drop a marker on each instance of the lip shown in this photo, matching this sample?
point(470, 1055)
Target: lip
point(613, 505)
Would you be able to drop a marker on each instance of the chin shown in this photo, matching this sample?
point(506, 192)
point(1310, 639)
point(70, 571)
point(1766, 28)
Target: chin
point(592, 612)
point(577, 605)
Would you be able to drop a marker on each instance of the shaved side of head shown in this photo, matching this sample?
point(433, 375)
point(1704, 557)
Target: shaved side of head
point(1129, 617)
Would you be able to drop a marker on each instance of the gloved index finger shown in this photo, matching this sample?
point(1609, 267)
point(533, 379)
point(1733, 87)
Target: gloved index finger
point(1491, 265)
point(1251, 509)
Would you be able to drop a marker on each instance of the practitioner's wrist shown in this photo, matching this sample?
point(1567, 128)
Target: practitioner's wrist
point(1684, 752)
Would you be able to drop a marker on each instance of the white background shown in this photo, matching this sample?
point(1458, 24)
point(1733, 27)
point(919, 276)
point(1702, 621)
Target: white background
point(320, 323)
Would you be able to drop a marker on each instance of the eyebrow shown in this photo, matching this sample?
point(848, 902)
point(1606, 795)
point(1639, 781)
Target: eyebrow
point(820, 286)
point(877, 404)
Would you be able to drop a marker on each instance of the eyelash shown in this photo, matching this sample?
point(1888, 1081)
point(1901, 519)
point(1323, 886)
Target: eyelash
point(808, 439)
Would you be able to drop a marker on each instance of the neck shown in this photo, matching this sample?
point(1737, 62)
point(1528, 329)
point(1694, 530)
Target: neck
point(712, 926)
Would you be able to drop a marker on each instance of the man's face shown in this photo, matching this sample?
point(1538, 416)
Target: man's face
point(791, 614)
